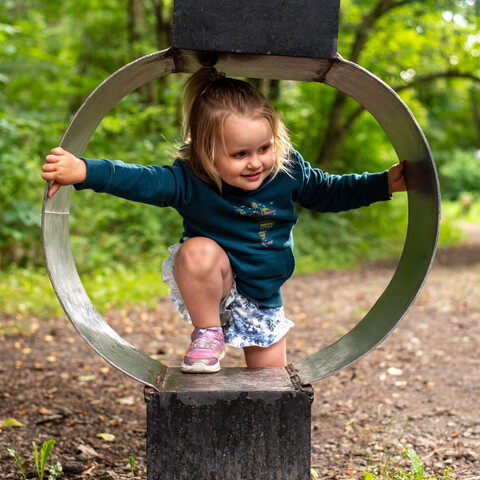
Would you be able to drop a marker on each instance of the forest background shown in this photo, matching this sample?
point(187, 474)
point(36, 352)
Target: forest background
point(53, 53)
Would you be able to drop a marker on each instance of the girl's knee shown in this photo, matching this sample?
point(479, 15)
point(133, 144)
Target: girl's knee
point(201, 254)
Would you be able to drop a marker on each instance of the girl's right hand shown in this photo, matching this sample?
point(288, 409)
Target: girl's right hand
point(63, 168)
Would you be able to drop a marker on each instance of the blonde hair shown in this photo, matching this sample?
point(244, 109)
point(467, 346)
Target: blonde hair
point(209, 97)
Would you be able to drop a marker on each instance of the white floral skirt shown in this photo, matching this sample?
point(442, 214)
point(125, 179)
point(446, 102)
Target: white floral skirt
point(245, 323)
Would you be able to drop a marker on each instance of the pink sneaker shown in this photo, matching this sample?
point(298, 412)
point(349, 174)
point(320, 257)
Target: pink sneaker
point(205, 352)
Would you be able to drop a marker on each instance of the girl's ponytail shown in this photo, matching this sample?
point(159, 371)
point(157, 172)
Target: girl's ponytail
point(195, 86)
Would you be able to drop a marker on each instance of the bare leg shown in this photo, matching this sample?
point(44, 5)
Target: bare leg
point(204, 277)
point(273, 356)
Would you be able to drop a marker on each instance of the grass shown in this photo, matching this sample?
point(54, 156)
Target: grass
point(28, 292)
point(457, 211)
point(413, 471)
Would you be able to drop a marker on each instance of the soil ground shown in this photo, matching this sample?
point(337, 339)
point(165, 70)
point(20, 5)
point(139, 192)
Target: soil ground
point(420, 386)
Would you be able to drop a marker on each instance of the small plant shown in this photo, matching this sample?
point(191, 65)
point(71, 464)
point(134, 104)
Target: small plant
point(54, 471)
point(132, 465)
point(416, 472)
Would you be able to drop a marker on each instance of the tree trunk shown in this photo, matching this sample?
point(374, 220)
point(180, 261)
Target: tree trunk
point(337, 127)
point(334, 133)
point(134, 25)
point(163, 34)
point(476, 112)
point(163, 19)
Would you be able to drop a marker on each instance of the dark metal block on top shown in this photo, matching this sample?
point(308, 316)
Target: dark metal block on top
point(300, 28)
point(238, 424)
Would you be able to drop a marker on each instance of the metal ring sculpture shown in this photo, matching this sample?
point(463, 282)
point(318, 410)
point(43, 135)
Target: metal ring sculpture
point(373, 94)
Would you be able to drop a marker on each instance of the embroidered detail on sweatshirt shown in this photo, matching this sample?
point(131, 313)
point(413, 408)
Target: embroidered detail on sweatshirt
point(260, 211)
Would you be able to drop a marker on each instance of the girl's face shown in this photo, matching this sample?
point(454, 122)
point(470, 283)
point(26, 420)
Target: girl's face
point(249, 156)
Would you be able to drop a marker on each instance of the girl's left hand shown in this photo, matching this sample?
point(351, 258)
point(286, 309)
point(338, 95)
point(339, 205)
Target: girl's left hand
point(396, 179)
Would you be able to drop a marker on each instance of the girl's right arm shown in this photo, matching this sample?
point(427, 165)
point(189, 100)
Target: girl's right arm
point(63, 168)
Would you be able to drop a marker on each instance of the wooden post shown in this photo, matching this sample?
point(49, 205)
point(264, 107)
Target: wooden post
point(238, 424)
point(300, 28)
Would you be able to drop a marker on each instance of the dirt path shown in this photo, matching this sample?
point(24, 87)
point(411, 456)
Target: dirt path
point(421, 386)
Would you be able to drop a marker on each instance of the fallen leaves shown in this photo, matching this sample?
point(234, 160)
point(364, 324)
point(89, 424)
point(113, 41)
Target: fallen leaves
point(395, 372)
point(115, 422)
point(12, 423)
point(108, 437)
point(85, 452)
point(127, 401)
point(45, 411)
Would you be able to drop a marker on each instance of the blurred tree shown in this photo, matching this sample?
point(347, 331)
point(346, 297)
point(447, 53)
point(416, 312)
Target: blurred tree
point(426, 42)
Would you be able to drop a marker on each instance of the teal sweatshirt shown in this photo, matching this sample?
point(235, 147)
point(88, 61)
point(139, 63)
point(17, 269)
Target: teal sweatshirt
point(253, 227)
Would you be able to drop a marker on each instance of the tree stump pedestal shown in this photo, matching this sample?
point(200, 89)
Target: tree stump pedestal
point(238, 424)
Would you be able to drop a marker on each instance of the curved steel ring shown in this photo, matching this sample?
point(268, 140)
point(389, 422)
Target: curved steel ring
point(373, 94)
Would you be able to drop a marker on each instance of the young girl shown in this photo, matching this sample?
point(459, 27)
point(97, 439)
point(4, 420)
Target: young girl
point(235, 184)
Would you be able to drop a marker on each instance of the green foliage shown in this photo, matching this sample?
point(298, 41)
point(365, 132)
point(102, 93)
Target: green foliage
point(453, 214)
point(470, 214)
point(346, 240)
point(19, 203)
point(26, 291)
point(55, 471)
point(460, 174)
point(121, 288)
